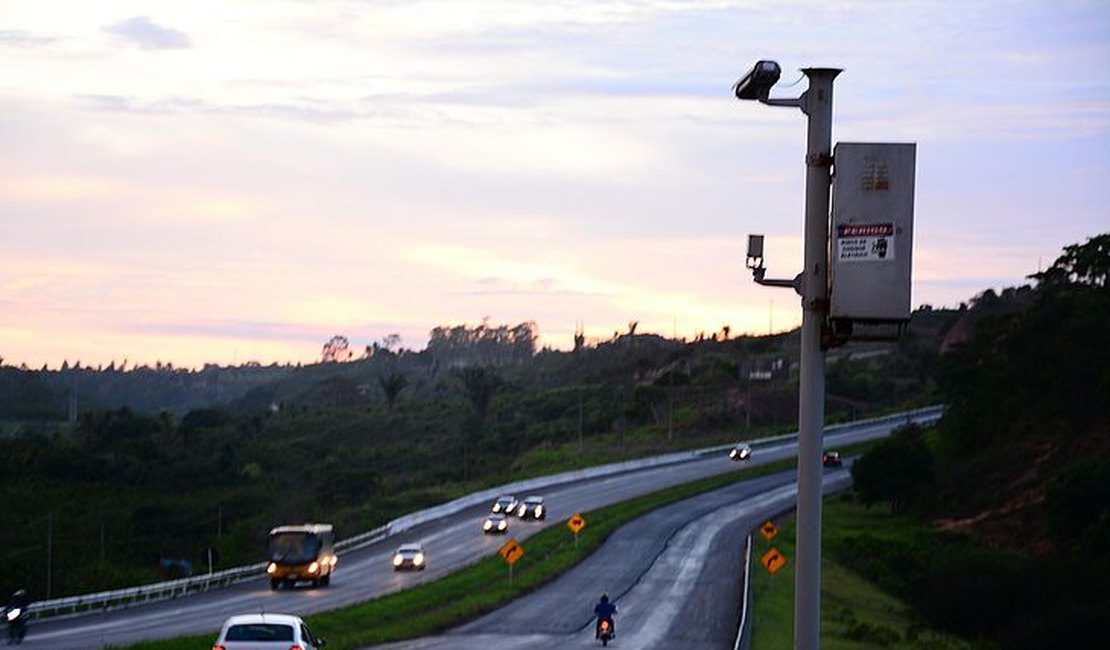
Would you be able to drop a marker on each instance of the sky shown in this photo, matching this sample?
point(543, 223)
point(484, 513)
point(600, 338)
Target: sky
point(224, 181)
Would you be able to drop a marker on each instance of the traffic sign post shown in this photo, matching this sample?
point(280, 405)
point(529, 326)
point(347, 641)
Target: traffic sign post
point(768, 530)
point(576, 524)
point(511, 551)
point(772, 560)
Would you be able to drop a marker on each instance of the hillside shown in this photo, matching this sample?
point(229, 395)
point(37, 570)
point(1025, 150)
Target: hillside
point(1015, 484)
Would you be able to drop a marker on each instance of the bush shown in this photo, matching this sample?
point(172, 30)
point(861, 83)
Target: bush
point(895, 471)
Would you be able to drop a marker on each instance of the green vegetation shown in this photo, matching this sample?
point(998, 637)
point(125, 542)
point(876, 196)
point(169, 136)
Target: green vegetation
point(896, 471)
point(1008, 540)
point(855, 613)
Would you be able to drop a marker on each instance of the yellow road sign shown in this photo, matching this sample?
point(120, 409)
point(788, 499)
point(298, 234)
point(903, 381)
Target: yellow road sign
point(769, 530)
point(576, 523)
point(511, 551)
point(772, 560)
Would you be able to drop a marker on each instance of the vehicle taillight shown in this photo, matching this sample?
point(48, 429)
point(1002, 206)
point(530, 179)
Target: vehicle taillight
point(295, 647)
point(218, 647)
point(605, 625)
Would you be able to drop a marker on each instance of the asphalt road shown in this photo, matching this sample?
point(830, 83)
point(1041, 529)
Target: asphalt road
point(450, 543)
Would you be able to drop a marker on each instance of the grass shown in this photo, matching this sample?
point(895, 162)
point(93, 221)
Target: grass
point(855, 614)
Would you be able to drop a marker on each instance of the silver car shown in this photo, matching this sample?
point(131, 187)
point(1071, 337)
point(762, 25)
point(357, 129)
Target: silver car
point(410, 556)
point(505, 504)
point(740, 452)
point(266, 632)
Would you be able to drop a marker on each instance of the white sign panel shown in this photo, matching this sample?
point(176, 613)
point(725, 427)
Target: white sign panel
point(868, 242)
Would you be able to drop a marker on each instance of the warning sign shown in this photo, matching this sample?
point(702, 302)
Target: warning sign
point(769, 530)
point(511, 552)
point(772, 560)
point(576, 523)
point(865, 242)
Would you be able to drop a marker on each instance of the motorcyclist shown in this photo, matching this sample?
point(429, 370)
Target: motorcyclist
point(17, 625)
point(605, 611)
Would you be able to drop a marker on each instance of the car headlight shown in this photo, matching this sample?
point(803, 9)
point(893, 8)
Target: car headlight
point(539, 511)
point(418, 559)
point(397, 560)
point(521, 511)
point(313, 568)
point(497, 507)
point(487, 525)
point(271, 568)
point(501, 525)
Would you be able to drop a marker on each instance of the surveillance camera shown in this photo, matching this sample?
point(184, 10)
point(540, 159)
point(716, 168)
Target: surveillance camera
point(756, 84)
point(755, 251)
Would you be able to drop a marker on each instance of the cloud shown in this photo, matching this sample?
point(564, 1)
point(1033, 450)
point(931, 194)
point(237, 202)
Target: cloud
point(22, 38)
point(148, 35)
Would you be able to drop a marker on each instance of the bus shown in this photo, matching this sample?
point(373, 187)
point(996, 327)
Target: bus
point(301, 553)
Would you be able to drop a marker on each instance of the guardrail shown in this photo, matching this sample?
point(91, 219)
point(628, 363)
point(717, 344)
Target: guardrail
point(118, 598)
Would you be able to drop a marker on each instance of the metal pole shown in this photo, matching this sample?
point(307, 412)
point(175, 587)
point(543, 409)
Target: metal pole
point(817, 105)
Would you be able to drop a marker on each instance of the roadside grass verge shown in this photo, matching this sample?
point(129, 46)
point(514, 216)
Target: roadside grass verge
point(855, 614)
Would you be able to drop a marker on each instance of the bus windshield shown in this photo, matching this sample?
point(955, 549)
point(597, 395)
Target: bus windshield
point(293, 548)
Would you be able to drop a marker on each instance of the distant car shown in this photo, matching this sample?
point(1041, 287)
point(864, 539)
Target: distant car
point(410, 556)
point(506, 503)
point(495, 524)
point(532, 507)
point(266, 632)
point(740, 452)
point(831, 459)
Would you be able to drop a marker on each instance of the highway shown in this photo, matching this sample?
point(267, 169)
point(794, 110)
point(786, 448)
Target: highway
point(451, 543)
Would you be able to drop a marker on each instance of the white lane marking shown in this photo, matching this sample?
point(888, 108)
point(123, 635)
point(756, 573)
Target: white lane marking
point(744, 594)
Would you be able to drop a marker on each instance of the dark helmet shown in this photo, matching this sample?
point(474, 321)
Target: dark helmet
point(604, 598)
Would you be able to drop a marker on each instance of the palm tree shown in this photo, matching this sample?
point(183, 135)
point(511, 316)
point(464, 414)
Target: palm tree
point(392, 385)
point(481, 383)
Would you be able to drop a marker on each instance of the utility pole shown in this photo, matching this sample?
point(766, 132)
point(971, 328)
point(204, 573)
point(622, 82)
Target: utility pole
point(813, 286)
point(817, 105)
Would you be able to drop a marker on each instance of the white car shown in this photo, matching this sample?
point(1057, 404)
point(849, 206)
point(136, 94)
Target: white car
point(532, 507)
point(266, 632)
point(410, 556)
point(495, 524)
point(740, 452)
point(506, 504)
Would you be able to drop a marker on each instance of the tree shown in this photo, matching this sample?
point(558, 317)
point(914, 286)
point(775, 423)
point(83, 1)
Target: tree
point(337, 349)
point(481, 383)
point(895, 471)
point(1081, 264)
point(392, 385)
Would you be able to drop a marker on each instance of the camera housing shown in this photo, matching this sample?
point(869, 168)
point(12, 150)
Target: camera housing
point(756, 84)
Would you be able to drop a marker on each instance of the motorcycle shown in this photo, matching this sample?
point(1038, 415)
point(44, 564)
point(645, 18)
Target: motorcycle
point(17, 625)
point(605, 631)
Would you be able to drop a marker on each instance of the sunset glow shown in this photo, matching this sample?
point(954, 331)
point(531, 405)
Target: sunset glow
point(221, 182)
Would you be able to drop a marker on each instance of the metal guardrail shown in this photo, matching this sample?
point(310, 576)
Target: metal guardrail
point(119, 598)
